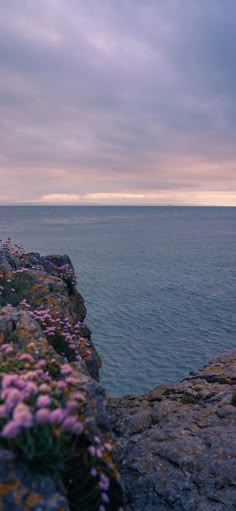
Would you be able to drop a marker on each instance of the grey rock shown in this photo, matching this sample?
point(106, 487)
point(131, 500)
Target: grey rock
point(177, 443)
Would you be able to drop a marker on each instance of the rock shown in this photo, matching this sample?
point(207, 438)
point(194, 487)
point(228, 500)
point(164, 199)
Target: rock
point(175, 446)
point(47, 283)
point(56, 443)
point(177, 443)
point(21, 490)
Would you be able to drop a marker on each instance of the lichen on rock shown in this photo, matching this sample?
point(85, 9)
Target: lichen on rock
point(177, 443)
point(56, 444)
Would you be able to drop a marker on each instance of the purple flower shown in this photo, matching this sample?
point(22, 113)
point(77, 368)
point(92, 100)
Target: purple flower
point(92, 450)
point(105, 497)
point(44, 388)
point(13, 397)
point(29, 390)
point(104, 482)
point(99, 453)
point(71, 381)
point(42, 416)
point(11, 430)
point(57, 416)
point(93, 472)
point(73, 425)
point(66, 370)
point(9, 380)
point(43, 401)
point(3, 412)
point(8, 350)
point(72, 406)
point(108, 447)
point(22, 415)
point(40, 364)
point(61, 385)
point(4, 347)
point(25, 357)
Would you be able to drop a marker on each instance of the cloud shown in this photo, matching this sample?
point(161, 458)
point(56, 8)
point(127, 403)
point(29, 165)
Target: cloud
point(116, 97)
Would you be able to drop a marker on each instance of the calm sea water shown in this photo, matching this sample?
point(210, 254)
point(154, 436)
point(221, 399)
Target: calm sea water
point(159, 283)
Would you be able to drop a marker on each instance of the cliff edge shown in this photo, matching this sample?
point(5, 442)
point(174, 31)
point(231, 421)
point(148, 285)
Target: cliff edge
point(174, 447)
point(177, 443)
point(56, 443)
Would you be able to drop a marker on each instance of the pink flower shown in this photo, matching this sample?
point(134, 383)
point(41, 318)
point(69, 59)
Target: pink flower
point(73, 425)
point(66, 370)
point(11, 430)
point(105, 497)
point(72, 406)
point(92, 450)
point(9, 380)
point(13, 397)
point(71, 381)
point(22, 415)
point(42, 416)
point(44, 388)
point(57, 416)
point(25, 358)
point(40, 364)
point(61, 385)
point(3, 412)
point(43, 401)
point(4, 346)
point(7, 349)
point(108, 447)
point(99, 453)
point(104, 482)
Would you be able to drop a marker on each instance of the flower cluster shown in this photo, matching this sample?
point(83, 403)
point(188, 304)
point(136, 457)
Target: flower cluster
point(45, 412)
point(61, 334)
point(67, 274)
point(33, 398)
point(14, 250)
point(41, 412)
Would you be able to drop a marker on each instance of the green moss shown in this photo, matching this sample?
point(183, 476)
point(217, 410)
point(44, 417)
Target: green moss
point(15, 290)
point(188, 398)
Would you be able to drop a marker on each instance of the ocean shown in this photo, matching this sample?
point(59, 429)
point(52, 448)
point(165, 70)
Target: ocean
point(159, 283)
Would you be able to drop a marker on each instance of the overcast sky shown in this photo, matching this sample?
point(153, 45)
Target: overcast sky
point(118, 102)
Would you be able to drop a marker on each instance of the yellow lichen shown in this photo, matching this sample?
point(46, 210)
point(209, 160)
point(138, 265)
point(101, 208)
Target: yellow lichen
point(6, 487)
point(34, 498)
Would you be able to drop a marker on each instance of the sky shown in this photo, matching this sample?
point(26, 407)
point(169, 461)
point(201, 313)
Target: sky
point(118, 102)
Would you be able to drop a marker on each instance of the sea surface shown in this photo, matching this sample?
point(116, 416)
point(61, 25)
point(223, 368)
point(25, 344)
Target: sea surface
point(159, 283)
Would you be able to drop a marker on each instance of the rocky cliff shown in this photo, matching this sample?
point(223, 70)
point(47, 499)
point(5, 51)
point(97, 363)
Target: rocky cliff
point(175, 447)
point(177, 443)
point(56, 444)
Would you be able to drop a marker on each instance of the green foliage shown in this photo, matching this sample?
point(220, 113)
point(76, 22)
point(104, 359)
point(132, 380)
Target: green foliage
point(15, 291)
point(60, 345)
point(188, 398)
point(83, 492)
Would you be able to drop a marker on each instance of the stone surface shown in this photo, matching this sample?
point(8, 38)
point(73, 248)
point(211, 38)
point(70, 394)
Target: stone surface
point(177, 443)
point(31, 285)
point(40, 281)
point(20, 490)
